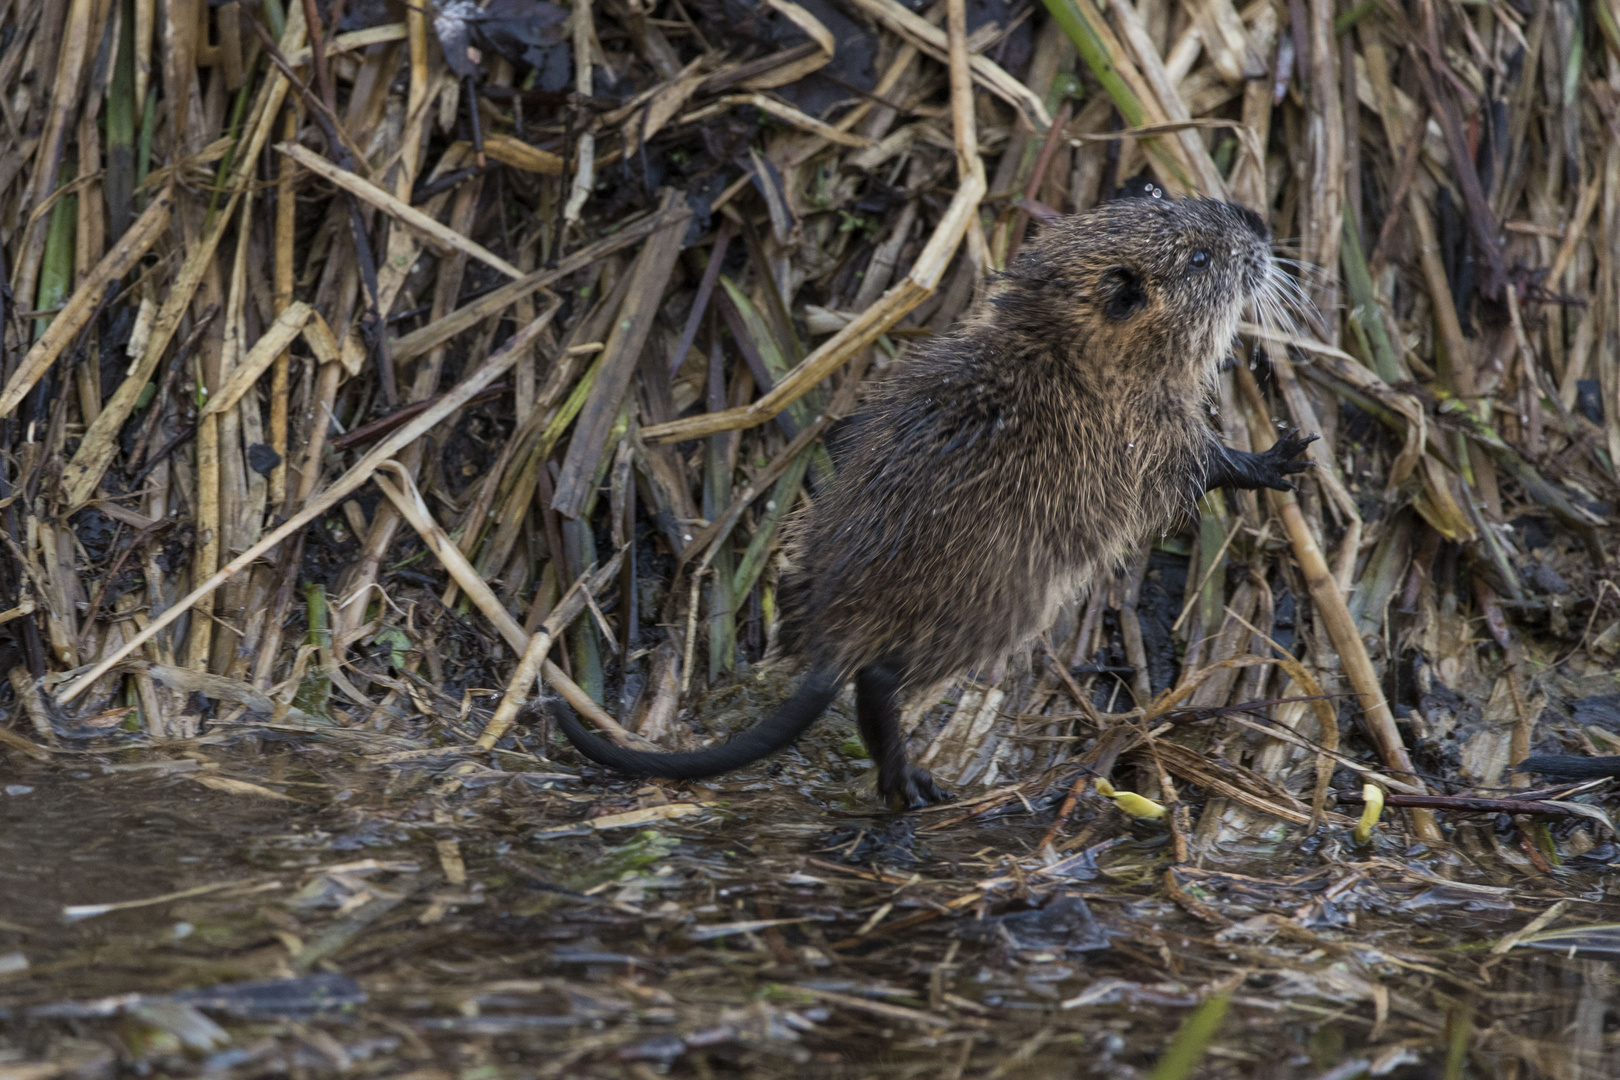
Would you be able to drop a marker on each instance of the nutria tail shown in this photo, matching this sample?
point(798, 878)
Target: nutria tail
point(1571, 766)
point(777, 732)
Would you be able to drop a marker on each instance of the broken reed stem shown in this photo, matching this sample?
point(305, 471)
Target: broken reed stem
point(408, 501)
point(468, 315)
point(285, 276)
point(1169, 99)
point(986, 72)
point(205, 556)
point(583, 25)
point(1043, 162)
point(83, 473)
point(864, 329)
point(443, 239)
point(492, 369)
point(1336, 618)
point(48, 155)
point(1102, 53)
point(965, 127)
point(87, 298)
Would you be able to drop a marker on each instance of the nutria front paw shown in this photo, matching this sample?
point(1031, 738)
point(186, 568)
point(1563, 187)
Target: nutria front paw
point(1274, 466)
point(912, 790)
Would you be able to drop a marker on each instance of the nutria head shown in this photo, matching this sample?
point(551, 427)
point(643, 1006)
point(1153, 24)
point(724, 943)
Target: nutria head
point(1141, 285)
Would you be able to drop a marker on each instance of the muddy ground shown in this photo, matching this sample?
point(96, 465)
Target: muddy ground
point(360, 910)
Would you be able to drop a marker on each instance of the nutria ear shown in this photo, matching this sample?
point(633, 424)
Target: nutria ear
point(1123, 295)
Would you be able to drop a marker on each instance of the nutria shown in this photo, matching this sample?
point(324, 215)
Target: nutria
point(1571, 766)
point(1005, 466)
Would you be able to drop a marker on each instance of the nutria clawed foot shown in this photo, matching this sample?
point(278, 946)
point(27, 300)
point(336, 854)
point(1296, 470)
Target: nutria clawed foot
point(912, 790)
point(1245, 471)
point(1273, 466)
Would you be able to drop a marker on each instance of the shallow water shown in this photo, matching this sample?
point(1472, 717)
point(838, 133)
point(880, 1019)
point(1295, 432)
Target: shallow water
point(437, 915)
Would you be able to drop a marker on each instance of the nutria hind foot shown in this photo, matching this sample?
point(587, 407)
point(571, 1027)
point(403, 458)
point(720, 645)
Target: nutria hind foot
point(912, 789)
point(901, 785)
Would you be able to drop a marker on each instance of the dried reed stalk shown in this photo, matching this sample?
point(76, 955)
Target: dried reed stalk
point(1467, 385)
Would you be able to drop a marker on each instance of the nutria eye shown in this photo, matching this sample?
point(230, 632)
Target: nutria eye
point(1200, 260)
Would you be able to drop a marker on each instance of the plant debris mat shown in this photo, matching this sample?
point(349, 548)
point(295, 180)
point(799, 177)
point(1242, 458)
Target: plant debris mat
point(364, 366)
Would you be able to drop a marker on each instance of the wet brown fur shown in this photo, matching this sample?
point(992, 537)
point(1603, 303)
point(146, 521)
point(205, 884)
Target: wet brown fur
point(1003, 467)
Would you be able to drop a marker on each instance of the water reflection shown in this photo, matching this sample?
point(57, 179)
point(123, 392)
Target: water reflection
point(407, 914)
